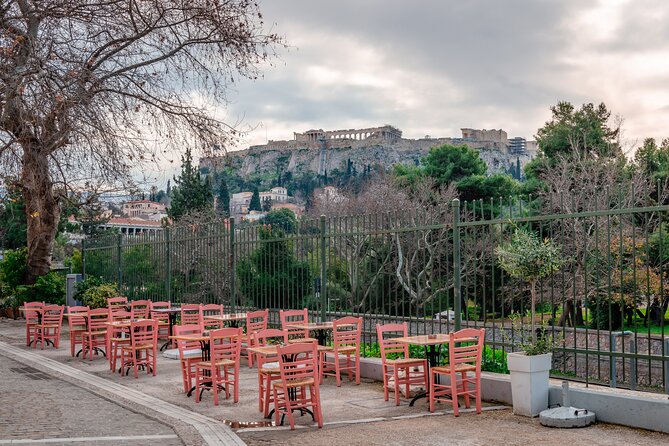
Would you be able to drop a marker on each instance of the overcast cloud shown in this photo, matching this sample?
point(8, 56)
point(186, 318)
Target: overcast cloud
point(434, 66)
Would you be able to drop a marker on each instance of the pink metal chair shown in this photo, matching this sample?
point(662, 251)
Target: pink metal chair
point(346, 343)
point(462, 360)
point(162, 318)
point(268, 367)
point(255, 321)
point(190, 353)
point(76, 322)
point(404, 370)
point(50, 326)
point(119, 303)
point(191, 314)
point(288, 317)
point(32, 313)
point(95, 335)
point(223, 367)
point(212, 310)
point(117, 337)
point(299, 384)
point(143, 348)
point(140, 309)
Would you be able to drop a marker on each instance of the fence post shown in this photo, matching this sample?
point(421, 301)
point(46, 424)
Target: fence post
point(324, 270)
point(612, 361)
point(119, 240)
point(456, 265)
point(168, 265)
point(632, 349)
point(233, 273)
point(666, 366)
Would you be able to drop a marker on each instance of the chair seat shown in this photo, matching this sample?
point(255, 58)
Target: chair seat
point(295, 383)
point(78, 328)
point(270, 368)
point(301, 340)
point(137, 347)
point(119, 339)
point(342, 350)
point(405, 361)
point(219, 363)
point(96, 333)
point(458, 368)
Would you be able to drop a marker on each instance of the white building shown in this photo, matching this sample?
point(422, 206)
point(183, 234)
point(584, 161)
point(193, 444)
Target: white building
point(276, 194)
point(144, 209)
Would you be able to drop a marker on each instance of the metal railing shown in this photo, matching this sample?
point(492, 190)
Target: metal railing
point(437, 272)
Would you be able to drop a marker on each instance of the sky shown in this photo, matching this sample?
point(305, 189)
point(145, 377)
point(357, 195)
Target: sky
point(431, 67)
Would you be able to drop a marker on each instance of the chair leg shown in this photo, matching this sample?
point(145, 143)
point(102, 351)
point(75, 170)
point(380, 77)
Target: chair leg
point(277, 417)
point(236, 381)
point(454, 394)
point(385, 382)
point(478, 394)
point(357, 369)
point(268, 385)
point(464, 389)
point(197, 384)
point(432, 390)
point(337, 370)
point(397, 386)
point(214, 372)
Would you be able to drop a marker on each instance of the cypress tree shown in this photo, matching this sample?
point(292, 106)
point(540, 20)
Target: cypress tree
point(255, 204)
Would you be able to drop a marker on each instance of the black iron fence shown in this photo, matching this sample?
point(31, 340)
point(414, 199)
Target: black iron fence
point(437, 271)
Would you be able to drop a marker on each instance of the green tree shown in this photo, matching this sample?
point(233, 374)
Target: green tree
point(528, 258)
point(272, 276)
point(582, 132)
point(478, 187)
point(190, 193)
point(13, 223)
point(255, 204)
point(267, 204)
point(223, 202)
point(444, 164)
point(283, 219)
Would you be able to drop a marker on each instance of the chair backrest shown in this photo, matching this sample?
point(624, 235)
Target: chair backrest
point(161, 305)
point(294, 317)
point(298, 361)
point(211, 310)
point(140, 309)
point(117, 303)
point(184, 330)
point(346, 333)
point(53, 315)
point(191, 314)
point(470, 352)
point(144, 332)
point(97, 319)
point(225, 343)
point(387, 345)
point(261, 337)
point(77, 317)
point(32, 316)
point(256, 321)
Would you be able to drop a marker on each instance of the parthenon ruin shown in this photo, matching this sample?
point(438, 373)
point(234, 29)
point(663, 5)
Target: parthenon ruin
point(385, 133)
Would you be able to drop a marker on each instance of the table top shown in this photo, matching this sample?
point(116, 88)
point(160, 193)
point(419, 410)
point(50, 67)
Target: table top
point(316, 325)
point(191, 337)
point(124, 323)
point(266, 350)
point(226, 317)
point(167, 310)
point(440, 338)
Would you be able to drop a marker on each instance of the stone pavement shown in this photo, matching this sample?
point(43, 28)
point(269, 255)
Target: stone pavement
point(37, 406)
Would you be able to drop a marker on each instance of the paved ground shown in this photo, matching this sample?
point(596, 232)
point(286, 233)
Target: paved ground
point(349, 411)
point(37, 406)
point(490, 428)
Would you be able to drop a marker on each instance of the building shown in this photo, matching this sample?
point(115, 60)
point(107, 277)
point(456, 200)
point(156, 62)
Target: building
point(385, 133)
point(296, 208)
point(239, 203)
point(477, 135)
point(132, 226)
point(144, 209)
point(276, 194)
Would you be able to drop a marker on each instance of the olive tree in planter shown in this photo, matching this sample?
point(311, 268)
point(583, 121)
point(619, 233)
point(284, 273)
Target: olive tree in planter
point(528, 258)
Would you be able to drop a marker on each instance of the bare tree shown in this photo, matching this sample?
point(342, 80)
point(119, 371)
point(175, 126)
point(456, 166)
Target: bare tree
point(90, 89)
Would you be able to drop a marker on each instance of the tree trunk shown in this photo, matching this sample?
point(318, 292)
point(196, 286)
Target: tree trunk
point(42, 212)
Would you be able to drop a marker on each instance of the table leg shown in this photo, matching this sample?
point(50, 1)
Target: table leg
point(433, 353)
point(206, 355)
point(172, 321)
point(321, 337)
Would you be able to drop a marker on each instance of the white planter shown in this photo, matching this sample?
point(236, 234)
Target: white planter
point(529, 382)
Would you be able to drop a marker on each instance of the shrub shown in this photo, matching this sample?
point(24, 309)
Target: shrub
point(494, 360)
point(13, 270)
point(94, 292)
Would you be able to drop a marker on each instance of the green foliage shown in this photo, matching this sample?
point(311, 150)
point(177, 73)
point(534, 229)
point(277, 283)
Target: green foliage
point(494, 360)
point(75, 262)
point(443, 164)
point(271, 276)
point(96, 296)
point(49, 288)
point(13, 269)
point(653, 160)
point(585, 131)
point(223, 202)
point(283, 219)
point(481, 187)
point(13, 223)
point(255, 204)
point(604, 314)
point(528, 258)
point(190, 193)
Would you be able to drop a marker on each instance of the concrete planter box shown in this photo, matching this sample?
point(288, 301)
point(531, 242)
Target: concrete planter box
point(529, 382)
